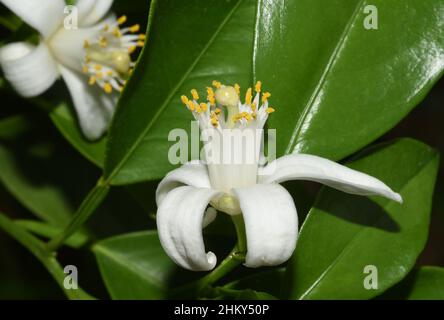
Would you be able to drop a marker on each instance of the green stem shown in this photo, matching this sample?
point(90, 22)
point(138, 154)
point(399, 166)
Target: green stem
point(37, 248)
point(86, 209)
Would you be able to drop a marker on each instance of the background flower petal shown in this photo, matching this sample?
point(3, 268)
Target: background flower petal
point(43, 15)
point(30, 70)
point(92, 11)
point(93, 106)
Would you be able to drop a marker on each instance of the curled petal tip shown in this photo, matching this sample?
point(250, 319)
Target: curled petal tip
point(397, 197)
point(212, 260)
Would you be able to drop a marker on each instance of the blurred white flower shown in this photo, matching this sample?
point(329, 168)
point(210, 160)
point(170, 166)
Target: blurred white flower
point(247, 188)
point(93, 59)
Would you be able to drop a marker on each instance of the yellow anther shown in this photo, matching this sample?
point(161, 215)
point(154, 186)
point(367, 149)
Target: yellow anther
point(258, 86)
point(210, 97)
point(191, 105)
point(204, 107)
point(121, 20)
point(85, 44)
point(184, 99)
point(198, 108)
point(108, 88)
point(109, 73)
point(248, 117)
point(265, 96)
point(248, 97)
point(132, 49)
point(117, 33)
point(97, 67)
point(217, 111)
point(217, 84)
point(140, 43)
point(85, 68)
point(254, 114)
point(142, 36)
point(237, 88)
point(103, 42)
point(253, 107)
point(134, 28)
point(270, 110)
point(99, 75)
point(92, 80)
point(195, 94)
point(214, 121)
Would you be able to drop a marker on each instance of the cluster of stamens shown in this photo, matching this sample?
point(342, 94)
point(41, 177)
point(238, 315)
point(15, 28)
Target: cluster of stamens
point(226, 99)
point(107, 58)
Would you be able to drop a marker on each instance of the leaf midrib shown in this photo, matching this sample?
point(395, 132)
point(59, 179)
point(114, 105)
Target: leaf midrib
point(360, 234)
point(331, 62)
point(168, 99)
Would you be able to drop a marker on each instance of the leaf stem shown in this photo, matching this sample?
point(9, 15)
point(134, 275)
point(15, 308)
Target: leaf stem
point(37, 248)
point(86, 209)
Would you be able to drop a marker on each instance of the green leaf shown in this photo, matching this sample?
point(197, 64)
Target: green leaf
point(265, 281)
point(66, 123)
point(215, 42)
point(345, 233)
point(134, 266)
point(425, 283)
point(12, 126)
point(336, 85)
point(25, 172)
point(76, 241)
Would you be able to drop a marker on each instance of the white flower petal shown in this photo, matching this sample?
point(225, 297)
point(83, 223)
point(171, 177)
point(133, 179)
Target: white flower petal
point(30, 70)
point(43, 15)
point(180, 221)
point(67, 46)
point(93, 106)
point(332, 174)
point(271, 224)
point(193, 174)
point(209, 217)
point(92, 11)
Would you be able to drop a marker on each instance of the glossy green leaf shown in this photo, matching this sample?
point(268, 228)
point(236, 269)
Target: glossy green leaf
point(345, 233)
point(215, 42)
point(425, 283)
point(66, 123)
point(134, 266)
point(336, 85)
